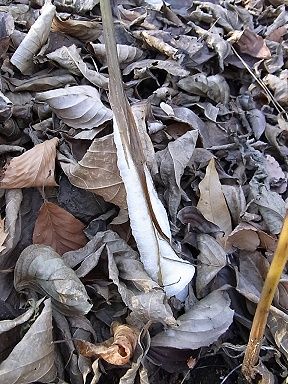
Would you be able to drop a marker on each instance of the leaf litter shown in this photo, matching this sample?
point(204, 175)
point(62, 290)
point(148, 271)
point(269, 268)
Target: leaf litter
point(141, 253)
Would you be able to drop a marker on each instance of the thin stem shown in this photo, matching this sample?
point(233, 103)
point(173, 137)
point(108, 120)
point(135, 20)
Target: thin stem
point(260, 318)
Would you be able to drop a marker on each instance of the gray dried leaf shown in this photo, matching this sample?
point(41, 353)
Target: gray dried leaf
point(270, 205)
point(197, 223)
point(69, 58)
point(41, 269)
point(172, 162)
point(170, 66)
point(235, 200)
point(278, 326)
point(245, 237)
point(44, 83)
point(98, 172)
point(34, 40)
point(75, 6)
point(279, 85)
point(32, 359)
point(79, 106)
point(215, 87)
point(126, 53)
point(212, 258)
point(200, 326)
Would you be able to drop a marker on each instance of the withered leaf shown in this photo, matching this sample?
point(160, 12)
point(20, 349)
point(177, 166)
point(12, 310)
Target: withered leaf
point(41, 269)
point(34, 168)
point(212, 203)
point(98, 172)
point(200, 326)
point(59, 229)
point(251, 43)
point(245, 237)
point(33, 358)
point(117, 350)
point(79, 106)
point(3, 235)
point(126, 53)
point(34, 40)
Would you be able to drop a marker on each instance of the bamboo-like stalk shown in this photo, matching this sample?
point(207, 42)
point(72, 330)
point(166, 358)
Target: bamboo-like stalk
point(260, 318)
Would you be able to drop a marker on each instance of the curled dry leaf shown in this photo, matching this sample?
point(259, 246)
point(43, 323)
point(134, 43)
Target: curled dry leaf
point(35, 168)
point(126, 53)
point(245, 237)
point(79, 106)
point(34, 40)
point(59, 229)
point(69, 58)
point(212, 203)
point(200, 326)
point(117, 350)
point(41, 269)
point(84, 30)
point(33, 358)
point(98, 172)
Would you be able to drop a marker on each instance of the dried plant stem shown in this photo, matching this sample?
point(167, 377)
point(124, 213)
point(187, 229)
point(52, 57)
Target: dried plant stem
point(260, 318)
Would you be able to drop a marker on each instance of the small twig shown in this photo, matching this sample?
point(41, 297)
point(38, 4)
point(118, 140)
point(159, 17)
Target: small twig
point(230, 373)
point(260, 318)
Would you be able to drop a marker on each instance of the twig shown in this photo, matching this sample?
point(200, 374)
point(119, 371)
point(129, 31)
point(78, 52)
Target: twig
point(260, 318)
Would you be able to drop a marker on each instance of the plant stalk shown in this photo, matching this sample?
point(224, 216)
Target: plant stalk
point(262, 311)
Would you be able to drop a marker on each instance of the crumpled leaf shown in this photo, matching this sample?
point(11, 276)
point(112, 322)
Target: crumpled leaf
point(172, 162)
point(279, 85)
point(212, 258)
point(200, 326)
point(32, 359)
point(59, 229)
point(170, 66)
point(126, 53)
point(79, 106)
point(34, 40)
point(212, 203)
point(74, 6)
point(41, 269)
point(138, 291)
point(270, 205)
point(98, 172)
point(117, 350)
point(251, 43)
point(69, 58)
point(245, 237)
point(197, 223)
point(34, 168)
point(215, 87)
point(84, 30)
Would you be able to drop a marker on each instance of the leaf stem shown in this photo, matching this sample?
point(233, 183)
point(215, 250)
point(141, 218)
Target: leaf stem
point(260, 318)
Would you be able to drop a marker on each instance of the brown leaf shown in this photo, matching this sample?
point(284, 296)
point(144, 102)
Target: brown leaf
point(117, 350)
point(35, 168)
point(212, 203)
point(252, 44)
point(59, 229)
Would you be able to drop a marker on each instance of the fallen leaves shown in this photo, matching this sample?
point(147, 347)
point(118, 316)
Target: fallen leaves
point(117, 350)
point(35, 168)
point(58, 229)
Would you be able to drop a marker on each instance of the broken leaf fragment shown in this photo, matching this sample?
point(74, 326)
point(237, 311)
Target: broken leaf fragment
point(117, 350)
point(41, 269)
point(34, 168)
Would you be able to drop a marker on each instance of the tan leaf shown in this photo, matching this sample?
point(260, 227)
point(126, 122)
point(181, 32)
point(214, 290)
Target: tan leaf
point(117, 350)
point(35, 168)
point(244, 236)
point(3, 235)
point(84, 30)
point(59, 229)
point(126, 53)
point(98, 172)
point(212, 203)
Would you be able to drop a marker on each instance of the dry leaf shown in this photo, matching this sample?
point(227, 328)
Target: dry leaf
point(245, 237)
point(251, 44)
point(126, 53)
point(59, 229)
point(35, 168)
point(212, 203)
point(3, 235)
point(79, 106)
point(34, 40)
point(117, 350)
point(98, 172)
